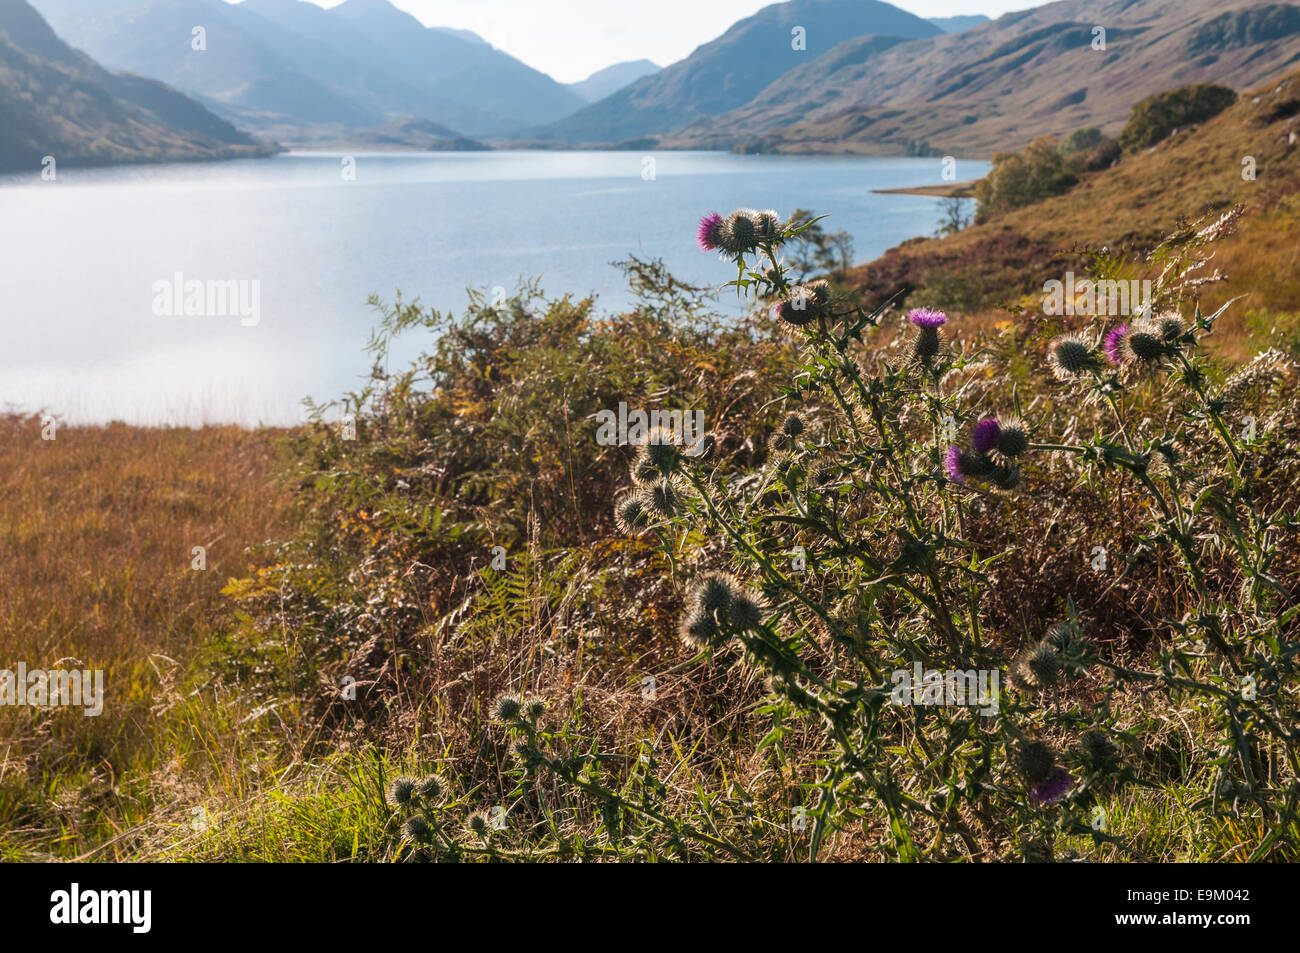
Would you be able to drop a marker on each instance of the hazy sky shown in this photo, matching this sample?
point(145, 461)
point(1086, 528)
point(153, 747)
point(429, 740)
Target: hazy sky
point(570, 39)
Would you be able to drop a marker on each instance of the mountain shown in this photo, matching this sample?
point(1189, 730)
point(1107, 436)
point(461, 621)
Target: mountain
point(996, 86)
point(1127, 207)
point(277, 64)
point(612, 78)
point(59, 102)
point(957, 24)
point(729, 71)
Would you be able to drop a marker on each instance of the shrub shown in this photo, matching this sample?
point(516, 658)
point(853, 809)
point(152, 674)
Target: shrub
point(1081, 140)
point(1155, 117)
point(1022, 178)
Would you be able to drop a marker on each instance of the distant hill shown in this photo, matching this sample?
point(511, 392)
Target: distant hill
point(730, 70)
point(957, 24)
point(997, 86)
point(1127, 207)
point(276, 64)
point(57, 101)
point(612, 78)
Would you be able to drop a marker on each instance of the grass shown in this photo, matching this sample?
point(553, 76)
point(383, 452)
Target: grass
point(98, 529)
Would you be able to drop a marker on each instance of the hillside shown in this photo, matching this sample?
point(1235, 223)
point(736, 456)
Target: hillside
point(730, 70)
point(56, 101)
point(998, 85)
point(1127, 208)
point(612, 78)
point(279, 64)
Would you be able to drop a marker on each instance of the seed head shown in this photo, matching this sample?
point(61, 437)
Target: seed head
point(507, 707)
point(700, 629)
point(477, 823)
point(534, 707)
point(1035, 761)
point(792, 426)
point(630, 514)
point(1013, 437)
point(1145, 344)
point(767, 224)
point(739, 232)
point(400, 790)
point(416, 828)
point(430, 788)
point(1072, 355)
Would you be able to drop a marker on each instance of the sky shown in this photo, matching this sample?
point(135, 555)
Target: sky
point(571, 39)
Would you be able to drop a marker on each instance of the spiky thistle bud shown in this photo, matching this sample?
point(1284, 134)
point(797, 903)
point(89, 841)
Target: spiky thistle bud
point(477, 823)
point(1098, 750)
point(631, 514)
point(661, 498)
point(430, 788)
point(416, 828)
point(745, 613)
point(1171, 327)
point(1035, 761)
point(1013, 437)
point(1072, 355)
point(507, 707)
point(700, 629)
point(400, 790)
point(1144, 343)
point(534, 707)
point(713, 593)
point(767, 225)
point(739, 233)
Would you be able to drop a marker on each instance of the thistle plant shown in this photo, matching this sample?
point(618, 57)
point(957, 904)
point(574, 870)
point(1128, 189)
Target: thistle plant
point(894, 516)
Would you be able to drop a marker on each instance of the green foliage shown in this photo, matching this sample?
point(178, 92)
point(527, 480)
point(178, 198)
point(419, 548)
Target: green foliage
point(1155, 117)
point(1081, 140)
point(1022, 178)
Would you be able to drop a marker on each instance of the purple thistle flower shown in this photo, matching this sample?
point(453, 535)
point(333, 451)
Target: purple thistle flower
point(1054, 788)
point(925, 318)
point(987, 433)
point(1115, 344)
point(952, 463)
point(709, 235)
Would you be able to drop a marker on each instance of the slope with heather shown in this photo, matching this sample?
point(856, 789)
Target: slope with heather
point(1127, 208)
point(998, 85)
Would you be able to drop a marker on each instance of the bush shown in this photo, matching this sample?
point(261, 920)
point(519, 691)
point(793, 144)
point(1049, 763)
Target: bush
point(1081, 140)
point(1157, 116)
point(1021, 178)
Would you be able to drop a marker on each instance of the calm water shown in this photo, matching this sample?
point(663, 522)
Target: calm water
point(80, 256)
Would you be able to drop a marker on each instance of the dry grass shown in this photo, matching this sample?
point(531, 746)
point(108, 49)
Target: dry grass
point(96, 531)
